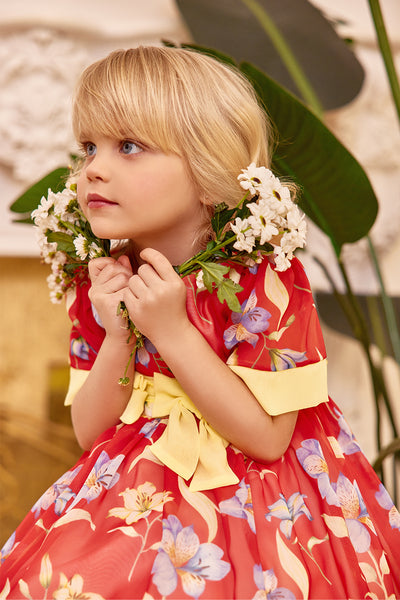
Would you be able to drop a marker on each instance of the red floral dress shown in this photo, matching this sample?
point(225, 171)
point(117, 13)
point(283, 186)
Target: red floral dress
point(163, 507)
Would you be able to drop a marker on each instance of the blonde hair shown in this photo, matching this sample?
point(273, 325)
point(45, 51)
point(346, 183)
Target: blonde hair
point(182, 102)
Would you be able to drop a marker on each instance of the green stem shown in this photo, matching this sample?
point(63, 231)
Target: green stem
point(387, 305)
point(378, 328)
point(187, 267)
point(386, 52)
point(376, 373)
point(287, 56)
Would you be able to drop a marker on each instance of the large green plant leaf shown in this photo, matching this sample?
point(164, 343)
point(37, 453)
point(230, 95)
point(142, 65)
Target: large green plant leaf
point(327, 60)
point(30, 199)
point(336, 192)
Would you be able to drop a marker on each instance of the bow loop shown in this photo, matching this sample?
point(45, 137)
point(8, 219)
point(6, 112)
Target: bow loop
point(189, 446)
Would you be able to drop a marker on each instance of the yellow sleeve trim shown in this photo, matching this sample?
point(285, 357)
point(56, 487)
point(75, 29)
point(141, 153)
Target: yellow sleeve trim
point(77, 378)
point(280, 392)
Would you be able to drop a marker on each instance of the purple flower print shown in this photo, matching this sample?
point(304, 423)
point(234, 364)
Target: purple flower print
point(346, 439)
point(149, 428)
point(143, 353)
point(386, 502)
point(285, 358)
point(240, 505)
point(313, 462)
point(7, 548)
point(266, 583)
point(182, 556)
point(354, 513)
point(288, 511)
point(246, 324)
point(103, 476)
point(80, 348)
point(59, 493)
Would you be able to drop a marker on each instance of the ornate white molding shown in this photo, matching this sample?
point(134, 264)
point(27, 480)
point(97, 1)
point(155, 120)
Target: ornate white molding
point(39, 68)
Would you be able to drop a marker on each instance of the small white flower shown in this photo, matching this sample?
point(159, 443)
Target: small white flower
point(56, 287)
point(282, 261)
point(95, 251)
point(253, 177)
point(296, 221)
point(81, 246)
point(42, 211)
point(272, 188)
point(61, 201)
point(200, 281)
point(245, 237)
point(261, 221)
point(234, 275)
point(58, 261)
point(290, 241)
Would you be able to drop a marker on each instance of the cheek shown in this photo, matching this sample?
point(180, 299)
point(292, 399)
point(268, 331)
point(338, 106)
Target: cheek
point(80, 191)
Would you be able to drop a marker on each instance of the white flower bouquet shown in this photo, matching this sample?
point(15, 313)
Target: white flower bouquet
point(266, 221)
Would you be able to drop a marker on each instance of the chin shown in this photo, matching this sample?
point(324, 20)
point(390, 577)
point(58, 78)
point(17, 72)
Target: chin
point(105, 233)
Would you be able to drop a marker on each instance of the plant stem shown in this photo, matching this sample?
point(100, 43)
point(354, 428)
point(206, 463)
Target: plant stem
point(186, 267)
point(376, 373)
point(287, 56)
point(387, 305)
point(387, 55)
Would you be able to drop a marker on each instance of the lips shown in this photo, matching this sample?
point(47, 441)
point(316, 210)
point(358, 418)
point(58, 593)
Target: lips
point(97, 201)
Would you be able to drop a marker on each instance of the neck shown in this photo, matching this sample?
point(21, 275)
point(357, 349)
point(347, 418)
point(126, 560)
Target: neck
point(177, 250)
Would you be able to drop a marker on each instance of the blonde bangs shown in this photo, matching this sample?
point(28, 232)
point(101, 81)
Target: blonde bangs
point(114, 99)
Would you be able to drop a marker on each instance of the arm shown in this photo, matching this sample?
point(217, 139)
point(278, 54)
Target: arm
point(101, 400)
point(156, 301)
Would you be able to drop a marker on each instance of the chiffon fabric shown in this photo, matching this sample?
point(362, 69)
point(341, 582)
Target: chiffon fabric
point(163, 507)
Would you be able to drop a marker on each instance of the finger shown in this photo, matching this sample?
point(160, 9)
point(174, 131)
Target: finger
point(125, 262)
point(137, 286)
point(148, 274)
point(159, 262)
point(112, 273)
point(96, 265)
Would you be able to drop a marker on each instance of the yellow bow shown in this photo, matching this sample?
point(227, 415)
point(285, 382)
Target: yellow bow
point(190, 447)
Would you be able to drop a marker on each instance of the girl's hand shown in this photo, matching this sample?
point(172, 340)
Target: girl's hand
point(156, 298)
point(109, 279)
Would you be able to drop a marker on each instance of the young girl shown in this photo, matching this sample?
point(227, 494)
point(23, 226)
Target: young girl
point(223, 470)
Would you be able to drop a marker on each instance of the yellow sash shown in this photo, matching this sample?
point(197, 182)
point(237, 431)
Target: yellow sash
point(190, 447)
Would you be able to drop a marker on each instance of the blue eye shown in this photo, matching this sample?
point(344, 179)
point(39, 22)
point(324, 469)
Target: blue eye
point(130, 147)
point(90, 149)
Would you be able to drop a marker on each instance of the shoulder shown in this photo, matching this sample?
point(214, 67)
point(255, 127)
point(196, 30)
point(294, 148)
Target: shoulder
point(278, 317)
point(276, 288)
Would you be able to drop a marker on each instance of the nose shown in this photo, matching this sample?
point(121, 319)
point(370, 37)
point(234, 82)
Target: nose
point(98, 167)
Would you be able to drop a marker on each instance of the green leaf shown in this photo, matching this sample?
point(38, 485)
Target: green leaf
point(31, 198)
point(63, 240)
point(211, 52)
point(213, 274)
point(220, 219)
point(336, 192)
point(227, 291)
point(328, 63)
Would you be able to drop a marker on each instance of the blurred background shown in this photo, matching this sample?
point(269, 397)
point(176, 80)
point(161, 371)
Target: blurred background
point(43, 47)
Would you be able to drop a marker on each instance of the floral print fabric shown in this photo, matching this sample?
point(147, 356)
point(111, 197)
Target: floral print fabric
point(316, 523)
